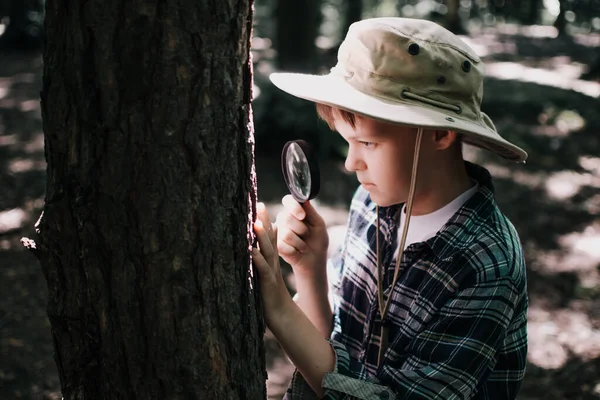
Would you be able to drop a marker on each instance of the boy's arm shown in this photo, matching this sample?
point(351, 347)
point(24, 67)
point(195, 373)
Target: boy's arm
point(301, 340)
point(304, 344)
point(303, 243)
point(312, 299)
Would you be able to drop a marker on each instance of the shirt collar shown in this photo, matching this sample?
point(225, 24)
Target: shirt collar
point(464, 225)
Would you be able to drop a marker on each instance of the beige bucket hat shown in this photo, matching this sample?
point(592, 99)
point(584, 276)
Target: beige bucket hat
point(409, 72)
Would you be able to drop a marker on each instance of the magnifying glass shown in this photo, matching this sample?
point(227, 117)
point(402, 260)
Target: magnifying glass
point(300, 170)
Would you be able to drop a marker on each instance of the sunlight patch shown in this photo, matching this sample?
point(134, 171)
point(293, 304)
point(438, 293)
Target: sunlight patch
point(12, 220)
point(556, 333)
point(556, 78)
point(29, 105)
point(23, 165)
point(8, 140)
point(586, 243)
point(36, 144)
point(565, 184)
point(553, 7)
point(591, 164)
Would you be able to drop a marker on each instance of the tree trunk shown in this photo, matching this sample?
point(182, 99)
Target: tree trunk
point(453, 22)
point(144, 240)
point(24, 28)
point(593, 72)
point(561, 22)
point(354, 9)
point(298, 24)
point(533, 12)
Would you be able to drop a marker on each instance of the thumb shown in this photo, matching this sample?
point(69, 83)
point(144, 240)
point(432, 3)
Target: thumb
point(312, 215)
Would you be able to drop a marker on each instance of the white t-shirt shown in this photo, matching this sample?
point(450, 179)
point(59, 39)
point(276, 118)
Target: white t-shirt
point(423, 227)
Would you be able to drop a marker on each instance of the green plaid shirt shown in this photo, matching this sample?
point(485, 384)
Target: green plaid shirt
point(458, 314)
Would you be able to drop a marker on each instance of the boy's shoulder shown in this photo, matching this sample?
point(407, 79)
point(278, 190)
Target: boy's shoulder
point(479, 238)
point(482, 239)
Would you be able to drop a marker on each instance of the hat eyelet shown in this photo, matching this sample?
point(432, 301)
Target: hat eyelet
point(466, 66)
point(441, 80)
point(413, 49)
point(458, 109)
point(450, 119)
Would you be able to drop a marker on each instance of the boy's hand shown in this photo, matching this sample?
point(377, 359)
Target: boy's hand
point(303, 238)
point(274, 293)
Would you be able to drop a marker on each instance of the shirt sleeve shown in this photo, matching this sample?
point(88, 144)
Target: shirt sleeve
point(339, 384)
point(447, 360)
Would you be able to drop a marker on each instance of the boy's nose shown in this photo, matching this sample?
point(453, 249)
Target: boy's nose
point(353, 163)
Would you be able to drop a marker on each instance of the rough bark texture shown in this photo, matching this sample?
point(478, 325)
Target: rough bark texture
point(144, 240)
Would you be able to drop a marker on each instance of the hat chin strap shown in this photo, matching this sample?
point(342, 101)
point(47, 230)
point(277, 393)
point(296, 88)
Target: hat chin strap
point(384, 307)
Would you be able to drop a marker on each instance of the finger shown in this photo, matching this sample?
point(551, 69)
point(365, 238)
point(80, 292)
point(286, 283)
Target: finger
point(287, 251)
point(264, 243)
point(290, 238)
point(309, 209)
point(312, 215)
point(286, 220)
point(263, 216)
point(262, 266)
point(293, 207)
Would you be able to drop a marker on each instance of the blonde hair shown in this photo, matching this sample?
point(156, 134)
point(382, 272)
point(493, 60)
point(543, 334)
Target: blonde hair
point(329, 115)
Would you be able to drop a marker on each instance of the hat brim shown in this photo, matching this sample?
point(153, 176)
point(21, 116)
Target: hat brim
point(334, 91)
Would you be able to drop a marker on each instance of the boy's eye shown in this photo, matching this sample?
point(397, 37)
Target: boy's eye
point(368, 145)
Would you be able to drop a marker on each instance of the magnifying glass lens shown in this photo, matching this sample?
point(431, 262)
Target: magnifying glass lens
point(300, 170)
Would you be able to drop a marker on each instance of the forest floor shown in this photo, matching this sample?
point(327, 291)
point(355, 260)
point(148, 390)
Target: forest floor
point(538, 99)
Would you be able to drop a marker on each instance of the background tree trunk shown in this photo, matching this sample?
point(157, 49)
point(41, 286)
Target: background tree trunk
point(25, 19)
point(453, 22)
point(561, 22)
point(354, 9)
point(298, 24)
point(532, 14)
point(144, 240)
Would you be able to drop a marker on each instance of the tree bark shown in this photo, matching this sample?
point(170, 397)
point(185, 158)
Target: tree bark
point(298, 24)
point(146, 232)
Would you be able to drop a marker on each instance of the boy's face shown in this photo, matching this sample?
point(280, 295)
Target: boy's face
point(382, 155)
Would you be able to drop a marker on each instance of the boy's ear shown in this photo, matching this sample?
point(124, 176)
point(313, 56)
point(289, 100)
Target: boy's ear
point(444, 139)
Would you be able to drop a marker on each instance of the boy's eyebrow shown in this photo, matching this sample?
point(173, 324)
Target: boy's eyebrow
point(354, 136)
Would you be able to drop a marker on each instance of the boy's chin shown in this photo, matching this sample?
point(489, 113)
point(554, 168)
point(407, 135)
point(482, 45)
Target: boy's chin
point(384, 201)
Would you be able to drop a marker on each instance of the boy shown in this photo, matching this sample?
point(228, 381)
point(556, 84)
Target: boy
point(429, 288)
